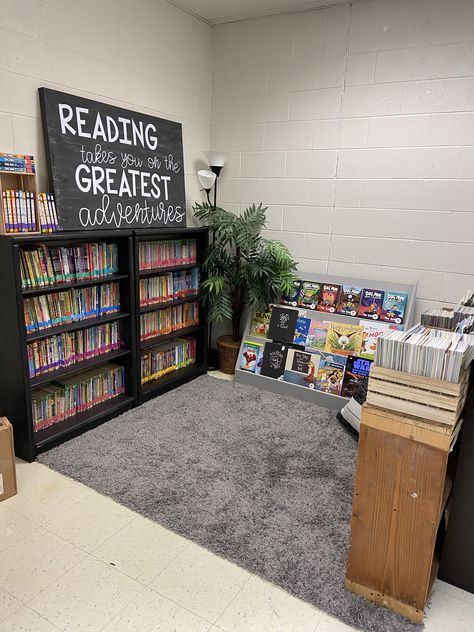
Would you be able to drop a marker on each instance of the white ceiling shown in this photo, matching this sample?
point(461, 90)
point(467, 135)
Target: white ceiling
point(219, 11)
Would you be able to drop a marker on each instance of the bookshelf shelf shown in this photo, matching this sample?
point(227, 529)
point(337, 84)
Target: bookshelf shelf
point(63, 429)
point(78, 367)
point(144, 309)
point(158, 271)
point(75, 326)
point(75, 284)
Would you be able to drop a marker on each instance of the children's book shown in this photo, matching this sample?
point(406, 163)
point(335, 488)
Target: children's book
point(371, 333)
point(344, 339)
point(260, 324)
point(250, 356)
point(357, 372)
point(309, 294)
point(317, 335)
point(393, 307)
point(349, 300)
point(328, 298)
point(371, 304)
point(301, 368)
point(274, 359)
point(292, 297)
point(302, 330)
point(330, 373)
point(282, 324)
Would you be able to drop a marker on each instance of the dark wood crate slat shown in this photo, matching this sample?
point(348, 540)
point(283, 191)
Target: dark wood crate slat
point(51, 376)
point(158, 271)
point(63, 428)
point(60, 287)
point(178, 333)
point(145, 309)
point(77, 324)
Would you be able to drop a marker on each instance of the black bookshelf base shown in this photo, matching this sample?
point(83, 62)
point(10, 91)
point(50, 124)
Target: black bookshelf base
point(170, 381)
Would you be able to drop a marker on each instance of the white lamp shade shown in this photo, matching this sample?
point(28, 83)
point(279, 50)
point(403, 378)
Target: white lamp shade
point(216, 158)
point(206, 179)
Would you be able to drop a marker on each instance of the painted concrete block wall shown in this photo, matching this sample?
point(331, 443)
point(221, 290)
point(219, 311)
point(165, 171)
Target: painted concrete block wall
point(144, 55)
point(356, 126)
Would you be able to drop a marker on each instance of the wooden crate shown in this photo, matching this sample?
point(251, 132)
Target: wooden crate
point(401, 488)
point(423, 397)
point(24, 182)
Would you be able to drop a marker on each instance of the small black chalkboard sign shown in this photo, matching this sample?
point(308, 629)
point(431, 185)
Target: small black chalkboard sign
point(274, 359)
point(282, 324)
point(110, 167)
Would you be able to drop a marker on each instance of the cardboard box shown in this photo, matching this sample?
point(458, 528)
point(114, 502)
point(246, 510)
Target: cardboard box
point(7, 460)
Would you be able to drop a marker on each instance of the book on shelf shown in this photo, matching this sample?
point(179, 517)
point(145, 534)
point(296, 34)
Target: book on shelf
point(309, 294)
point(48, 214)
point(356, 375)
point(68, 306)
point(301, 368)
point(371, 304)
point(317, 335)
point(282, 324)
point(372, 331)
point(274, 359)
point(302, 330)
point(393, 307)
point(19, 213)
point(349, 300)
point(67, 397)
point(260, 324)
point(166, 253)
point(344, 339)
point(251, 356)
point(330, 373)
point(165, 321)
point(292, 297)
point(328, 297)
point(170, 286)
point(167, 357)
point(17, 163)
point(66, 349)
point(43, 266)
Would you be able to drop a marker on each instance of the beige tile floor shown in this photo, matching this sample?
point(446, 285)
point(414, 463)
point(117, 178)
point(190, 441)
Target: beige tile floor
point(76, 561)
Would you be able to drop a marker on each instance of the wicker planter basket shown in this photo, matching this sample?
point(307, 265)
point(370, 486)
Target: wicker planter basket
point(228, 353)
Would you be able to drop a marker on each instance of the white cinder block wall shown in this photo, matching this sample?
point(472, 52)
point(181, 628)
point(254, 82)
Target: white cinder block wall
point(144, 55)
point(356, 126)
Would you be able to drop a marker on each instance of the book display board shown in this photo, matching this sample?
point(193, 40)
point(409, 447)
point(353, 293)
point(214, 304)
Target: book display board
point(337, 321)
point(70, 310)
point(171, 322)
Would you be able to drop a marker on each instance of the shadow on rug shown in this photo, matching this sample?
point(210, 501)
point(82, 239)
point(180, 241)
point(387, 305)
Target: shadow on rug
point(263, 480)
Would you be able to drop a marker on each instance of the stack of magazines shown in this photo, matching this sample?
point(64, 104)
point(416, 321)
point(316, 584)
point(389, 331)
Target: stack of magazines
point(433, 353)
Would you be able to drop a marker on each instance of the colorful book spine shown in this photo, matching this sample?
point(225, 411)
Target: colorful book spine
point(165, 321)
point(167, 253)
point(19, 211)
point(166, 358)
point(169, 287)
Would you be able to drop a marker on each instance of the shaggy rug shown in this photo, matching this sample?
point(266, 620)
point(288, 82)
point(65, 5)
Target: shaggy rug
point(263, 480)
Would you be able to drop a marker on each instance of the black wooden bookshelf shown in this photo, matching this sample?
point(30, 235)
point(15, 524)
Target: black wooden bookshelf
point(198, 332)
point(16, 385)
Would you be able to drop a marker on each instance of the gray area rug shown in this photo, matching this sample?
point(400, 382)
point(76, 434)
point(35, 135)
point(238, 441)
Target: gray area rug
point(263, 480)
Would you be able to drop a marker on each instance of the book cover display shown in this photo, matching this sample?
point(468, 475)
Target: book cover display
point(317, 335)
point(344, 339)
point(302, 330)
point(292, 297)
point(274, 360)
point(260, 324)
point(357, 372)
point(330, 373)
point(393, 307)
point(349, 300)
point(309, 294)
point(372, 331)
point(301, 368)
point(328, 298)
point(371, 304)
point(282, 324)
point(251, 352)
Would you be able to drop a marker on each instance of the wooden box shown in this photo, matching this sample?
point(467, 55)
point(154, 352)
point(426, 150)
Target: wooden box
point(23, 182)
point(423, 397)
point(401, 489)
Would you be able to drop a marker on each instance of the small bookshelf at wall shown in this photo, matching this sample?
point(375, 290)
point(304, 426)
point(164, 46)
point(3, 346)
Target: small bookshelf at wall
point(171, 322)
point(330, 325)
point(19, 204)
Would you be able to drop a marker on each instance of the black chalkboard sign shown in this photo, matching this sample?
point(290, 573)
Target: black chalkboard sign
point(110, 167)
point(282, 324)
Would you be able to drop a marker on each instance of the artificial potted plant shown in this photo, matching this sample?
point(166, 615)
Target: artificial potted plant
point(243, 269)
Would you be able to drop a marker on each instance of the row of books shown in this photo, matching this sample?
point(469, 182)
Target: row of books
point(60, 308)
point(17, 163)
point(69, 348)
point(317, 370)
point(48, 214)
point(19, 211)
point(164, 321)
point(163, 254)
point(43, 266)
point(167, 357)
point(67, 397)
point(169, 286)
point(433, 353)
point(317, 334)
point(348, 300)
